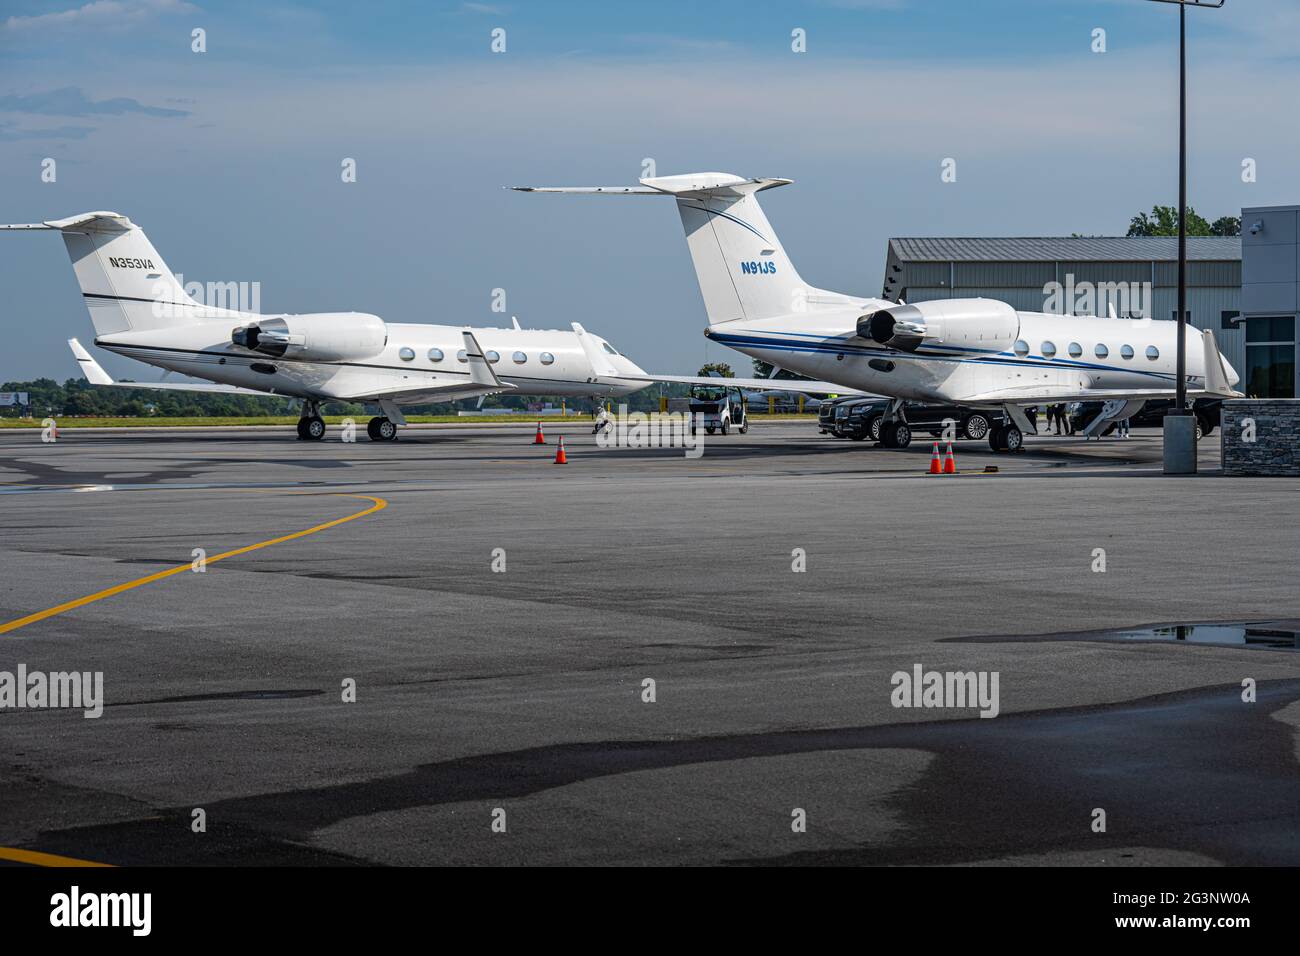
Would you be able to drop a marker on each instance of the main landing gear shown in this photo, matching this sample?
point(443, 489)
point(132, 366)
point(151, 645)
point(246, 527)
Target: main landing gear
point(381, 429)
point(1006, 437)
point(311, 427)
point(896, 435)
point(895, 432)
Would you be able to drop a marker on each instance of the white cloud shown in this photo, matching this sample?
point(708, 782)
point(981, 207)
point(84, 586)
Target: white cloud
point(100, 13)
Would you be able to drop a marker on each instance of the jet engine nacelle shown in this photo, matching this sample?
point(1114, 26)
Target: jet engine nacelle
point(966, 323)
point(320, 336)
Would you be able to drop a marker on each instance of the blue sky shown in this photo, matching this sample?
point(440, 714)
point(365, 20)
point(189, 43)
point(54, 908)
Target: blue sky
point(230, 159)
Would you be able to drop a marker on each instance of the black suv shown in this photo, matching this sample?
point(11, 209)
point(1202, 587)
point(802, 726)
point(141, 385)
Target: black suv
point(861, 418)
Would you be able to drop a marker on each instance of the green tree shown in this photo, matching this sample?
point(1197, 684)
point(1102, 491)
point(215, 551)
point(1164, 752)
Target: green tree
point(1226, 226)
point(764, 370)
point(722, 368)
point(1163, 221)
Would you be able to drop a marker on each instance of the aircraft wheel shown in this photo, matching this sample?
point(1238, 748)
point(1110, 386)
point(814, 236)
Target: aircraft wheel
point(998, 437)
point(302, 429)
point(312, 429)
point(902, 435)
point(1012, 438)
point(381, 429)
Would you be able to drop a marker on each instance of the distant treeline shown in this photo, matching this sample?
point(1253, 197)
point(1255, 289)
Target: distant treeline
point(78, 397)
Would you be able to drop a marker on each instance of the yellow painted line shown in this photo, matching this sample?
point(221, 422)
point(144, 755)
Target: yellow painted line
point(379, 505)
point(42, 859)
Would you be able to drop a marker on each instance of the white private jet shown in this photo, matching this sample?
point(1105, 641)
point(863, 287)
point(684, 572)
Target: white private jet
point(139, 309)
point(975, 352)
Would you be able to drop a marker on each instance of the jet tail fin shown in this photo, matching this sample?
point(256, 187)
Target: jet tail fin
point(126, 284)
point(741, 266)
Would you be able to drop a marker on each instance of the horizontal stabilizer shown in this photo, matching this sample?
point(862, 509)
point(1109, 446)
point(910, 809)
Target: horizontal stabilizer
point(690, 185)
point(96, 375)
point(101, 221)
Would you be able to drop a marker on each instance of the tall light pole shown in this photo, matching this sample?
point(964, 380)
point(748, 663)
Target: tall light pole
point(1180, 424)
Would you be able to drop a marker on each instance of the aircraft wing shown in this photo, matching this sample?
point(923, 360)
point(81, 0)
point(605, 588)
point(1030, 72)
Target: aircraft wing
point(482, 381)
point(425, 393)
point(1037, 394)
point(753, 384)
point(96, 375)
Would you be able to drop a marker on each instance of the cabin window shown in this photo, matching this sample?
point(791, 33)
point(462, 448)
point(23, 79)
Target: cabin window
point(520, 358)
point(1076, 350)
point(1153, 353)
point(405, 354)
point(1021, 348)
point(435, 355)
point(1126, 351)
point(547, 358)
point(1048, 349)
point(492, 356)
point(1101, 351)
point(462, 356)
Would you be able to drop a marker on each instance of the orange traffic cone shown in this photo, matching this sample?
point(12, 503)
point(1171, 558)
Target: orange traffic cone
point(560, 457)
point(950, 463)
point(539, 438)
point(935, 467)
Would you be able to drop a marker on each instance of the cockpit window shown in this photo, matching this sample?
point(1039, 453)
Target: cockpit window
point(609, 348)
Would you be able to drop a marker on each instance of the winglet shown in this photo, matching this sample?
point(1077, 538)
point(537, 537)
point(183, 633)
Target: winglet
point(480, 370)
point(93, 371)
point(1216, 378)
point(599, 364)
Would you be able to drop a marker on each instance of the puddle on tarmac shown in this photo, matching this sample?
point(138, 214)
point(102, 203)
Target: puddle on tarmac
point(1264, 634)
point(1260, 635)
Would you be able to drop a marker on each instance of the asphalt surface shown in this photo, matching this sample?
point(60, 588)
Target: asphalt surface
point(521, 691)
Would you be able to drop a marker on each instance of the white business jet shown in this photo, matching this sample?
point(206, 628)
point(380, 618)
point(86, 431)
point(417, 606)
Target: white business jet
point(139, 309)
point(976, 352)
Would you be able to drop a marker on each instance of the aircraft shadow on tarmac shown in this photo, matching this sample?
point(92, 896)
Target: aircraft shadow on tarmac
point(1196, 771)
